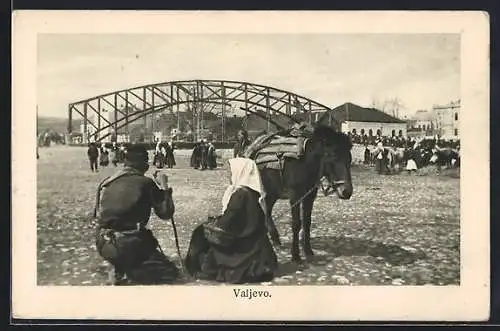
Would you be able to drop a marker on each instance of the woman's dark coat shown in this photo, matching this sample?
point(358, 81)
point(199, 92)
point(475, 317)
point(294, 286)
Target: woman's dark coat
point(234, 248)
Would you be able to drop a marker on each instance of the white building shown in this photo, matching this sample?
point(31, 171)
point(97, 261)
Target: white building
point(422, 124)
point(367, 121)
point(447, 120)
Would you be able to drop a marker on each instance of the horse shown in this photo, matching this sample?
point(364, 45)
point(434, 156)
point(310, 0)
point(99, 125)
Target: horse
point(445, 157)
point(327, 154)
point(398, 158)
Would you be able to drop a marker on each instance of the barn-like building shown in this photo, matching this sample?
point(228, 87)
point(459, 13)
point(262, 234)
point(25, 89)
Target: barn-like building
point(370, 121)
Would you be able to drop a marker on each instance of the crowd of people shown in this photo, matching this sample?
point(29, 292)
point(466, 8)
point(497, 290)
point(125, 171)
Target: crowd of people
point(415, 154)
point(164, 155)
point(100, 155)
point(204, 155)
point(398, 142)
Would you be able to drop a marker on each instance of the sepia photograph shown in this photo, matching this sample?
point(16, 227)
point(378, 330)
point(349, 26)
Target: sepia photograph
point(386, 160)
point(254, 161)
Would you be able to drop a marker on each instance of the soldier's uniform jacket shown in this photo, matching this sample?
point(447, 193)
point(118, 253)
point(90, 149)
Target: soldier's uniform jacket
point(123, 207)
point(126, 199)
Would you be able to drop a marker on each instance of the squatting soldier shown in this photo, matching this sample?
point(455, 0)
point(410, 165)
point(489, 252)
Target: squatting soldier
point(123, 207)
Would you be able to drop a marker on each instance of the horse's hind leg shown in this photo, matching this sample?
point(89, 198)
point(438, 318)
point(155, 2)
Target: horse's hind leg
point(271, 227)
point(307, 207)
point(296, 226)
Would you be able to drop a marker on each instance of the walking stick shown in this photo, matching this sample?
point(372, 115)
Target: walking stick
point(183, 268)
point(177, 245)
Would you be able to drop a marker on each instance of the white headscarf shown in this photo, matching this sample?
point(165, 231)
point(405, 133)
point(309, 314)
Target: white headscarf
point(244, 172)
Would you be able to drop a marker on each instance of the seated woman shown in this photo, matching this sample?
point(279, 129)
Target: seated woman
point(234, 247)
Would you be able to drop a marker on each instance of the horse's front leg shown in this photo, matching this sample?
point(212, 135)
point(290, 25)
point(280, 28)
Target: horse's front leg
point(307, 207)
point(296, 226)
point(271, 227)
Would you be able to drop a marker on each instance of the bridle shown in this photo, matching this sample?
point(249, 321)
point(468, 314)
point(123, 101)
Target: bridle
point(331, 184)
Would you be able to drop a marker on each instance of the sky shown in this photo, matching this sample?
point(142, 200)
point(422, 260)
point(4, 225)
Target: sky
point(419, 69)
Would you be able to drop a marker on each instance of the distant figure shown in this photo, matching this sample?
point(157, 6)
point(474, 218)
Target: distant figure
point(195, 156)
point(104, 157)
point(211, 157)
point(379, 157)
point(169, 157)
point(160, 155)
point(113, 155)
point(157, 159)
point(367, 155)
point(123, 152)
point(93, 154)
point(204, 154)
point(411, 165)
point(242, 144)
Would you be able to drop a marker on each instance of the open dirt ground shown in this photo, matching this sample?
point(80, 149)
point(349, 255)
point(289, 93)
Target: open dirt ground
point(396, 229)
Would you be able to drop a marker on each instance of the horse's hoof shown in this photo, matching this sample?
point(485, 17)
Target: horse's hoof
point(296, 258)
point(309, 254)
point(309, 258)
point(302, 265)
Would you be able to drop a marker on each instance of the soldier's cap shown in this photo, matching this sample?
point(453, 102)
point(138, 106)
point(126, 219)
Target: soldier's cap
point(137, 153)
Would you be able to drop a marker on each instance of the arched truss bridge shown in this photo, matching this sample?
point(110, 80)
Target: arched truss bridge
point(107, 113)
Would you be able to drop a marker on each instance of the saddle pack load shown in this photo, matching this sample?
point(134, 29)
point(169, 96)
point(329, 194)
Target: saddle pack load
point(269, 151)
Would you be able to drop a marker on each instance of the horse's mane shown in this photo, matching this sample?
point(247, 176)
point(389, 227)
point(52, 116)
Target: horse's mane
point(332, 137)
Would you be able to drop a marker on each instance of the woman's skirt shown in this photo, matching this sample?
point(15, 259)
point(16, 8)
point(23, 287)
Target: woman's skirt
point(203, 260)
point(411, 165)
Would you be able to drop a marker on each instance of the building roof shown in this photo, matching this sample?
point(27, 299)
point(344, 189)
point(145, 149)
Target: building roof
point(452, 105)
point(354, 113)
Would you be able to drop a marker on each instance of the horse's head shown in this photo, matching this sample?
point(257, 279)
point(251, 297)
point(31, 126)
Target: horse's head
point(334, 152)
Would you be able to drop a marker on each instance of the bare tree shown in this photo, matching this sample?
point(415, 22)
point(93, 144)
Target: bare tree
point(392, 106)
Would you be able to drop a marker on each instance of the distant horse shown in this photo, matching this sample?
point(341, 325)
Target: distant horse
point(327, 154)
point(424, 156)
point(398, 158)
point(445, 157)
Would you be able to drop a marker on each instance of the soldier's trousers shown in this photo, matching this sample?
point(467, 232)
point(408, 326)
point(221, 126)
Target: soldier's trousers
point(135, 254)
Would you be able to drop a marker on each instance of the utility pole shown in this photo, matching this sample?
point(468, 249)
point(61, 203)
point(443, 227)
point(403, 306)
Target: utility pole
point(200, 97)
point(347, 117)
point(178, 115)
point(223, 131)
point(37, 126)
